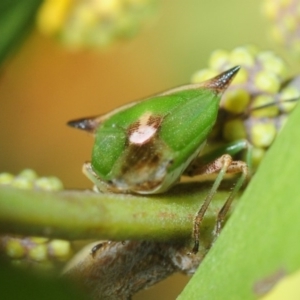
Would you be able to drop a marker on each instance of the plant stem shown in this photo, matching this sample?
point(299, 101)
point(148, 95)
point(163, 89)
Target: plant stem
point(87, 215)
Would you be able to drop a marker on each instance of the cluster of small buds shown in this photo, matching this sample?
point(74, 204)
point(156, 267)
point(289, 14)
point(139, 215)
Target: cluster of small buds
point(93, 23)
point(37, 252)
point(256, 104)
point(28, 179)
point(284, 19)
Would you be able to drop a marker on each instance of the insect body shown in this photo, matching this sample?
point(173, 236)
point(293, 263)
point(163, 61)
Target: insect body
point(146, 146)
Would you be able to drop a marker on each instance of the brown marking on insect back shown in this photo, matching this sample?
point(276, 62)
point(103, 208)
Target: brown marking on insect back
point(144, 129)
point(144, 154)
point(141, 161)
point(143, 164)
point(139, 156)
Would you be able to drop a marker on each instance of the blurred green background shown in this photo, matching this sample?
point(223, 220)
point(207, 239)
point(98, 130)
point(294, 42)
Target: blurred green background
point(44, 85)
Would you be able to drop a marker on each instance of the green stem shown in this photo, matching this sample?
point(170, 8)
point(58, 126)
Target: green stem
point(87, 215)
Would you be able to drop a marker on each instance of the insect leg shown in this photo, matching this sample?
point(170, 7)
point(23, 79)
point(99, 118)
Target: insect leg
point(221, 166)
point(232, 149)
point(235, 167)
point(99, 185)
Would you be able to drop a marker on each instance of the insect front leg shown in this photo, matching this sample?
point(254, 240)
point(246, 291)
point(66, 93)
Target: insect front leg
point(221, 166)
point(99, 184)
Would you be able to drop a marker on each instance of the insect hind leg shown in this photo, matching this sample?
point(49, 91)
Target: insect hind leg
point(221, 166)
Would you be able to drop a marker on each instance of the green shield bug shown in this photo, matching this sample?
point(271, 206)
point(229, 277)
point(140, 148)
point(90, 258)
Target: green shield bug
point(145, 147)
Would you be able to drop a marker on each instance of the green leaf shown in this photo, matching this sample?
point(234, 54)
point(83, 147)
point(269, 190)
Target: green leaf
point(16, 19)
point(261, 239)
